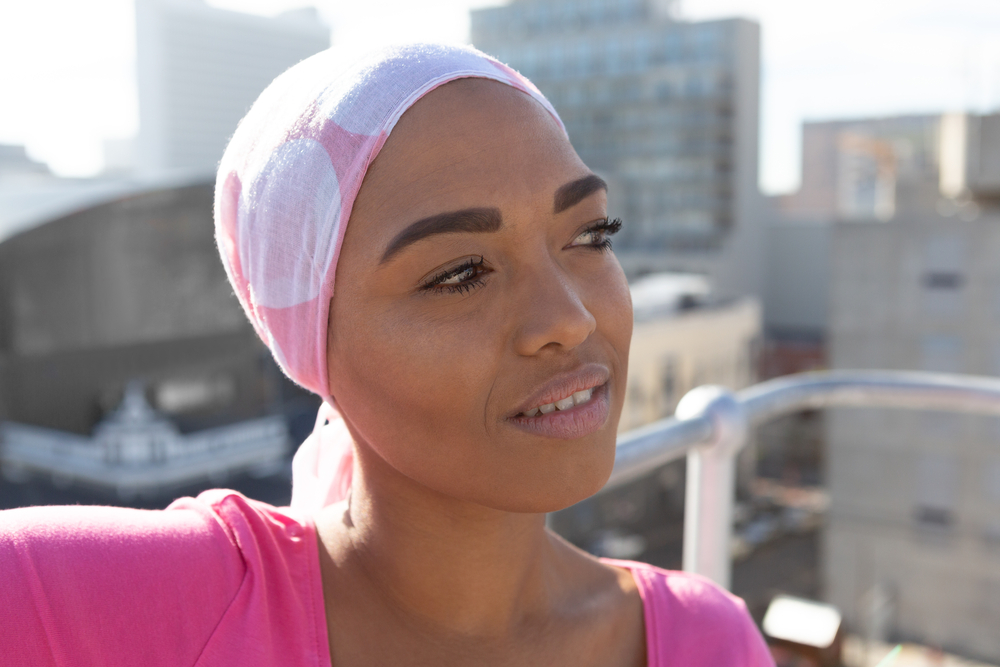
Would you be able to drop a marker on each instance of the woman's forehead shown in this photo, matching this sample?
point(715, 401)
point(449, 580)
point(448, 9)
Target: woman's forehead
point(469, 143)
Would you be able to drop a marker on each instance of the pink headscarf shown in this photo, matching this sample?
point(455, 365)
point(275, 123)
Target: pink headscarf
point(283, 197)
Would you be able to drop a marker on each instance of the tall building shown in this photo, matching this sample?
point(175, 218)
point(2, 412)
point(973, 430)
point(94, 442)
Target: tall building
point(666, 110)
point(912, 547)
point(866, 168)
point(200, 68)
point(915, 511)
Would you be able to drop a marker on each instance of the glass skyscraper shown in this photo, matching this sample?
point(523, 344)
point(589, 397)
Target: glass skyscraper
point(665, 109)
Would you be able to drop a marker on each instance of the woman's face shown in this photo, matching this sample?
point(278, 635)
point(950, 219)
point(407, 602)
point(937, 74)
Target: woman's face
point(479, 331)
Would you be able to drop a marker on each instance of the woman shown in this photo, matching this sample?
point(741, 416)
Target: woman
point(472, 356)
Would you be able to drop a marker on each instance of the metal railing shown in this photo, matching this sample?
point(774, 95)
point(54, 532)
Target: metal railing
point(711, 425)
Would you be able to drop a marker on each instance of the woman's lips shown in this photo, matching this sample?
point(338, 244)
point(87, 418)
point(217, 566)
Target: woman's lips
point(572, 422)
point(563, 386)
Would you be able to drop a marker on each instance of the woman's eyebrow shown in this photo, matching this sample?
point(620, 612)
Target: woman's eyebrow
point(576, 191)
point(466, 220)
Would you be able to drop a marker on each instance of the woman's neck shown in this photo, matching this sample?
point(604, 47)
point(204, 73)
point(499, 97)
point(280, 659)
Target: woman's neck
point(455, 566)
point(414, 576)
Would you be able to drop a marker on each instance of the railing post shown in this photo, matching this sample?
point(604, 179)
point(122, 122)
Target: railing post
point(711, 477)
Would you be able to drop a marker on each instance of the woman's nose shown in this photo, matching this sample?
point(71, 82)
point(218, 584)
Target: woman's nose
point(551, 313)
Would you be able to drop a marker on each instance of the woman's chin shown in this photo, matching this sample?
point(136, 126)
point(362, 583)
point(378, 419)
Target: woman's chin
point(559, 491)
point(572, 495)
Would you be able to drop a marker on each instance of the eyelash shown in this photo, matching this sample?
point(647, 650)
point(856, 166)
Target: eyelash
point(602, 228)
point(605, 228)
point(475, 265)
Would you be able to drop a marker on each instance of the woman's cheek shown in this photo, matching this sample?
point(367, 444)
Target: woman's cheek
point(612, 305)
point(432, 389)
point(433, 365)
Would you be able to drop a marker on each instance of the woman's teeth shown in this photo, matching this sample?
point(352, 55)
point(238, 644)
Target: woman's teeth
point(578, 398)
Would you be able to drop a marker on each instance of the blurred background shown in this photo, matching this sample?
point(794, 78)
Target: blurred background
point(805, 186)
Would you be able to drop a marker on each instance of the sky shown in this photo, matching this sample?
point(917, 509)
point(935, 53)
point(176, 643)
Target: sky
point(67, 67)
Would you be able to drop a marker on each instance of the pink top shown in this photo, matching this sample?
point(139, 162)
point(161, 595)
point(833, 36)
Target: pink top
point(224, 580)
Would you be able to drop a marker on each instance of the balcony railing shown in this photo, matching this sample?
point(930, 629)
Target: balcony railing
point(711, 425)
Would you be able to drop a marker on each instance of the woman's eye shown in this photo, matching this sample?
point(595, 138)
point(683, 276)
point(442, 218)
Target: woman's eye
point(460, 279)
point(460, 276)
point(590, 237)
point(598, 236)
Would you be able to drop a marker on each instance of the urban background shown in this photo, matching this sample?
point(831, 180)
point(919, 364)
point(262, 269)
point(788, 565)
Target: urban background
point(804, 187)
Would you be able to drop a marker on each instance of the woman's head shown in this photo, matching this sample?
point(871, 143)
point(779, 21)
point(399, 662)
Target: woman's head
point(472, 281)
point(289, 177)
point(475, 285)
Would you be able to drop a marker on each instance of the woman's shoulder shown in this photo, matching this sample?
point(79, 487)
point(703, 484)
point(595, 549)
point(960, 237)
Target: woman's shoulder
point(86, 540)
point(221, 528)
point(79, 539)
point(691, 620)
point(257, 530)
point(103, 582)
point(697, 595)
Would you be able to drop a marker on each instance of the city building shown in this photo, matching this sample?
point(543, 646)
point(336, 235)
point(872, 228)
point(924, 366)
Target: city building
point(199, 68)
point(128, 289)
point(137, 451)
point(859, 169)
point(30, 193)
point(131, 292)
point(682, 339)
point(867, 168)
point(666, 110)
point(115, 282)
point(912, 545)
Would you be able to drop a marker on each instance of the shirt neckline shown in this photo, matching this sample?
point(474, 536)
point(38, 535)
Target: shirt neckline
point(634, 568)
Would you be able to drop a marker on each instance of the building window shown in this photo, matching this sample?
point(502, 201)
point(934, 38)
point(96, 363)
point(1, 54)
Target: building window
point(945, 262)
point(936, 484)
point(943, 280)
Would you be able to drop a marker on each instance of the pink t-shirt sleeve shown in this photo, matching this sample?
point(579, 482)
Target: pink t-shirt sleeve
point(104, 585)
point(692, 622)
point(215, 581)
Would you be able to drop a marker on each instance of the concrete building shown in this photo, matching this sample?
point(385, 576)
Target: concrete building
point(130, 292)
point(915, 514)
point(30, 193)
point(681, 340)
point(912, 548)
point(666, 110)
point(199, 69)
point(131, 289)
point(851, 169)
point(867, 168)
point(859, 169)
point(796, 279)
point(137, 451)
